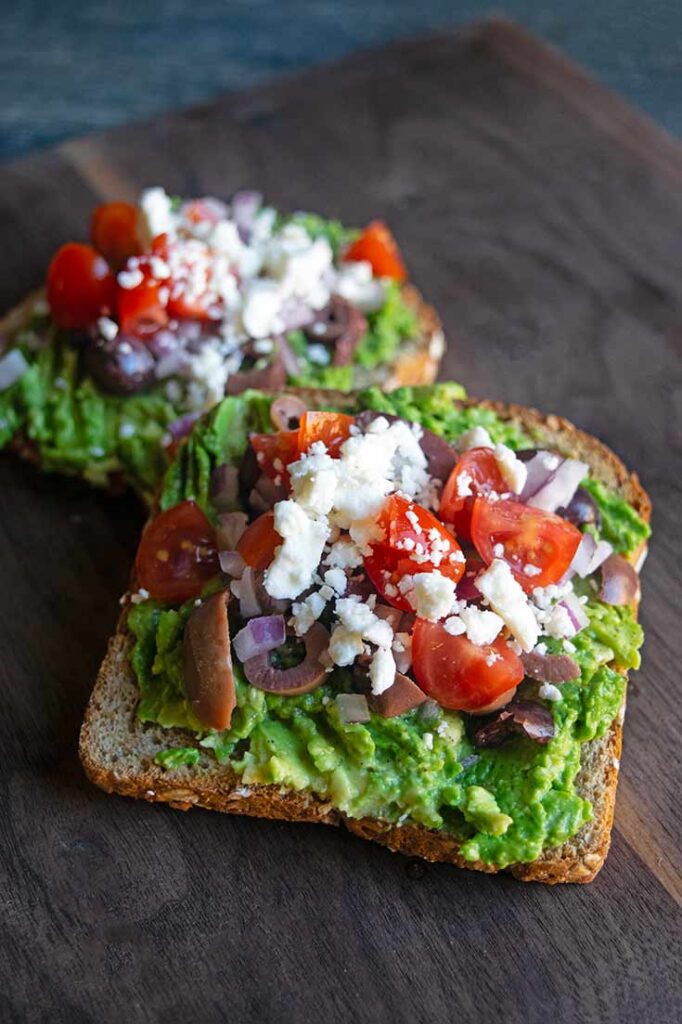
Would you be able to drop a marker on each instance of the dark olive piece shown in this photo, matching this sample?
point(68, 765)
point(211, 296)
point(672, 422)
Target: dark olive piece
point(121, 366)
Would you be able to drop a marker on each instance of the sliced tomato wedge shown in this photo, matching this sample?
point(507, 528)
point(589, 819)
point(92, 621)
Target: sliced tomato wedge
point(113, 230)
point(80, 286)
point(460, 675)
point(177, 555)
point(259, 541)
point(475, 473)
point(410, 530)
point(332, 428)
point(377, 246)
point(537, 546)
point(142, 310)
point(274, 452)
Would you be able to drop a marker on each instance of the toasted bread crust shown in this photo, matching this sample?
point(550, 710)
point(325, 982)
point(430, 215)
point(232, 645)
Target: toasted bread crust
point(129, 768)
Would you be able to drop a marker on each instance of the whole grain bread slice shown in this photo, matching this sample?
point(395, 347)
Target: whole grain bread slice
point(416, 362)
point(117, 750)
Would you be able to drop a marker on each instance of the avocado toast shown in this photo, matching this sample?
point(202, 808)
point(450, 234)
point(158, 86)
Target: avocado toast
point(441, 665)
point(178, 302)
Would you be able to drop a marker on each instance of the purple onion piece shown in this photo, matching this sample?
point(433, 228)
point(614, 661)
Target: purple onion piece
point(541, 469)
point(245, 207)
point(259, 636)
point(13, 366)
point(232, 564)
point(244, 589)
point(576, 612)
point(391, 615)
point(352, 707)
point(590, 555)
point(182, 427)
point(558, 491)
point(619, 581)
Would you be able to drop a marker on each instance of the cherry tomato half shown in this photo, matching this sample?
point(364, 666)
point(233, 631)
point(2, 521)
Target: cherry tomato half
point(274, 452)
point(259, 541)
point(410, 530)
point(537, 546)
point(113, 230)
point(177, 555)
point(141, 310)
point(377, 246)
point(80, 286)
point(460, 675)
point(332, 428)
point(476, 472)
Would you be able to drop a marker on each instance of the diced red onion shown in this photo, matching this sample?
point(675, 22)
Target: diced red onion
point(181, 428)
point(540, 469)
point(172, 364)
point(225, 487)
point(619, 581)
point(576, 612)
point(231, 526)
point(244, 589)
point(403, 661)
point(231, 563)
point(286, 412)
point(352, 707)
point(558, 491)
point(466, 588)
point(590, 555)
point(259, 636)
point(245, 207)
point(13, 366)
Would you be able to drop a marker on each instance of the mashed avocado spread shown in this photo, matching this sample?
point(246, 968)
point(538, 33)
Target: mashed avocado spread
point(505, 804)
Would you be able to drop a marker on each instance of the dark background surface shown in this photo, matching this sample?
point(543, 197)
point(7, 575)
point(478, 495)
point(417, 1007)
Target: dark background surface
point(69, 68)
point(544, 220)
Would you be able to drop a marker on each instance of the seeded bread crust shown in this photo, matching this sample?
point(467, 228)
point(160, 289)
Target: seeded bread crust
point(416, 363)
point(117, 751)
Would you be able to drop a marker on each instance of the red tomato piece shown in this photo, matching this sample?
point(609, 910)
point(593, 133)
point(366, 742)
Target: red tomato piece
point(80, 286)
point(258, 543)
point(476, 471)
point(274, 452)
point(177, 555)
point(460, 675)
point(377, 246)
point(410, 530)
point(332, 428)
point(537, 546)
point(113, 230)
point(141, 310)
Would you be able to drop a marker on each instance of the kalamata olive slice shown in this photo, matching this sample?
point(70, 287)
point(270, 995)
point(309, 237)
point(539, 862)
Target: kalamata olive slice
point(340, 324)
point(398, 699)
point(121, 366)
point(550, 668)
point(581, 510)
point(286, 412)
point(302, 678)
point(520, 718)
point(268, 378)
point(207, 663)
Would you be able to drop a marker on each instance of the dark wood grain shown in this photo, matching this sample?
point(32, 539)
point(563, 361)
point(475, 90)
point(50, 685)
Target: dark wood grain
point(544, 219)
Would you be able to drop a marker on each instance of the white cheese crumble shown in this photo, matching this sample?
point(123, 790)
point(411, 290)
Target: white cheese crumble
point(512, 470)
point(477, 437)
point(382, 671)
point(431, 594)
point(506, 597)
point(548, 691)
point(298, 557)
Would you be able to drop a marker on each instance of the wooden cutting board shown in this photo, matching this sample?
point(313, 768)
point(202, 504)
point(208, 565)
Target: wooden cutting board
point(543, 217)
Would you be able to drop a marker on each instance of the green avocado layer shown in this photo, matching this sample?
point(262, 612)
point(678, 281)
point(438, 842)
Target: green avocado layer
point(506, 804)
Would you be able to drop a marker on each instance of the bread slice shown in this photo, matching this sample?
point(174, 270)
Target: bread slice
point(117, 750)
point(417, 361)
